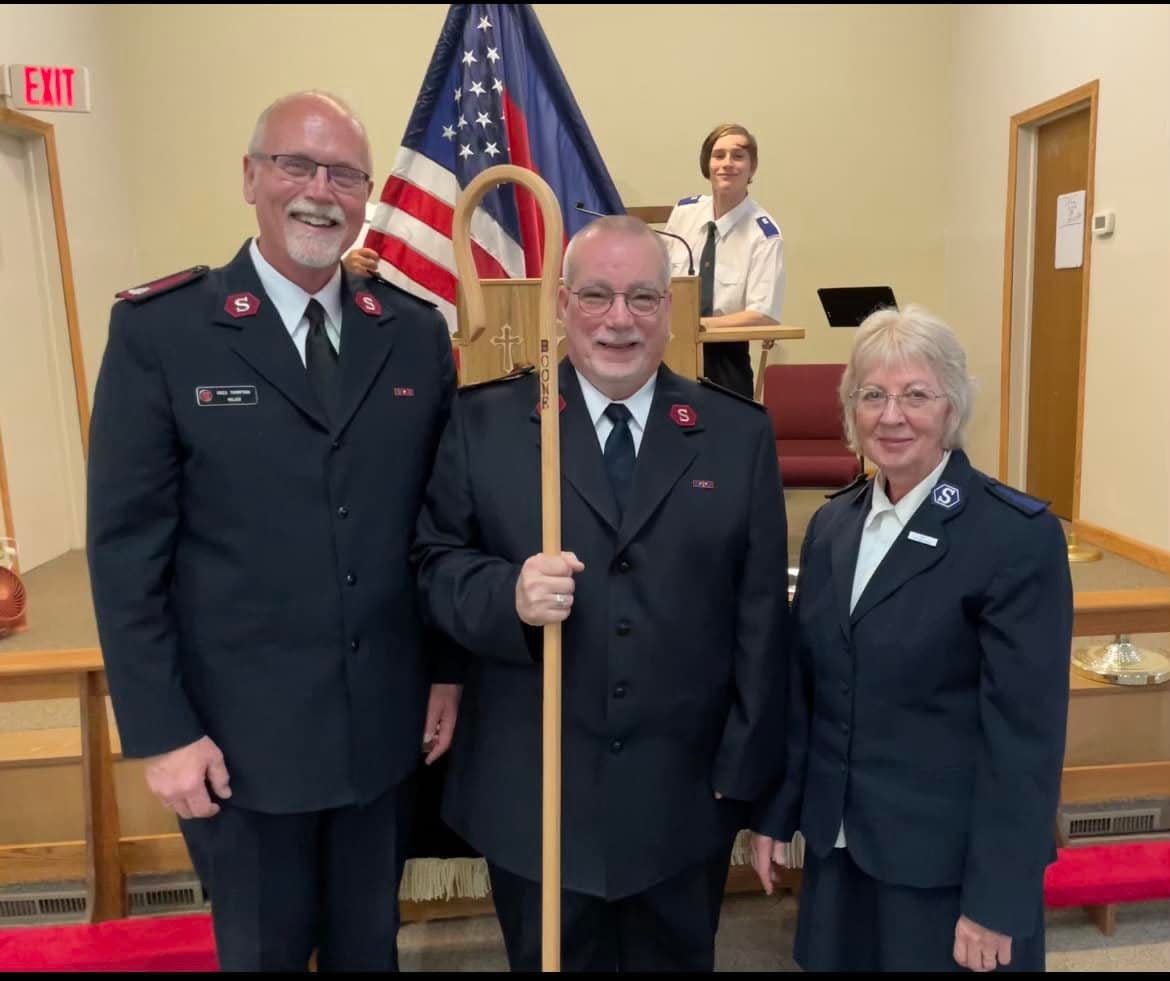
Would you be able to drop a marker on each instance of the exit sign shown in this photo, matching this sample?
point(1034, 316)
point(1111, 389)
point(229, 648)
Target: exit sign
point(51, 88)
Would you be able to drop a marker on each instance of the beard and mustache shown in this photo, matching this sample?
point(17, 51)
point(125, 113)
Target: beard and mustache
point(318, 242)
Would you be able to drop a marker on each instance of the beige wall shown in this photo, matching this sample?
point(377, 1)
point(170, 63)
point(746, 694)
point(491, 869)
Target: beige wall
point(102, 236)
point(882, 129)
point(193, 78)
point(852, 142)
point(1007, 59)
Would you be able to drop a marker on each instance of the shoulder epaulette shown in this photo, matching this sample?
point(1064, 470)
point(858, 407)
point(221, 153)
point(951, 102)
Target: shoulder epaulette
point(767, 226)
point(148, 291)
point(1017, 498)
point(707, 383)
point(690, 200)
point(860, 481)
point(521, 371)
point(377, 277)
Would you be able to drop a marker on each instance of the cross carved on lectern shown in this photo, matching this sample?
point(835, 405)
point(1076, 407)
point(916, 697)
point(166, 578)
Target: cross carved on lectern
point(504, 340)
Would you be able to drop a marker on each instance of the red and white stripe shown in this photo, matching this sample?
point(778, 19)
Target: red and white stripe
point(411, 231)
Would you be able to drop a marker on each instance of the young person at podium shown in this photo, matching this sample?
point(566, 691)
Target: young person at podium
point(740, 253)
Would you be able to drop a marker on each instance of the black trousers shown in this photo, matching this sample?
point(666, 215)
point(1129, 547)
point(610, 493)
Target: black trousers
point(284, 885)
point(729, 365)
point(849, 921)
point(669, 927)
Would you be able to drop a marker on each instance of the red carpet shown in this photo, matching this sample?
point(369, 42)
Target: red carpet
point(1097, 875)
point(1088, 876)
point(142, 943)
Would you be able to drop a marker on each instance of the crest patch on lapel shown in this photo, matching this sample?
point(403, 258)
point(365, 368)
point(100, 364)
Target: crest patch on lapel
point(684, 416)
point(946, 496)
point(241, 305)
point(368, 303)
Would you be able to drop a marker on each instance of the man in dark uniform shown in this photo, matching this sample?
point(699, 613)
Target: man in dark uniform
point(262, 436)
point(672, 592)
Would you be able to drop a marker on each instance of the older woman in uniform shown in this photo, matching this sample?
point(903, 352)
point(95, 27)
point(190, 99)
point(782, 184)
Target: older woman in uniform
point(933, 616)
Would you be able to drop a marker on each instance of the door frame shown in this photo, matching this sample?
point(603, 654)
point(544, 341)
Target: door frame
point(8, 529)
point(1023, 127)
point(30, 129)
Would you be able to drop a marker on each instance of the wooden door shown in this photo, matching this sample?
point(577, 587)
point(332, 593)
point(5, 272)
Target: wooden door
point(1055, 367)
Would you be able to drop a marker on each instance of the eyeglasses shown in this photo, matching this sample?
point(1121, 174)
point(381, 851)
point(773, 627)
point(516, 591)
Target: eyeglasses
point(870, 398)
point(598, 299)
point(299, 168)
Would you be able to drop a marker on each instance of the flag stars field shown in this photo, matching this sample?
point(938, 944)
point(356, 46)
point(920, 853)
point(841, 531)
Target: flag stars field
point(498, 59)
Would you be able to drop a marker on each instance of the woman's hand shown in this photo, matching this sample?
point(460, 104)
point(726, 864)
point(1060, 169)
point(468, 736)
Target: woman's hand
point(980, 949)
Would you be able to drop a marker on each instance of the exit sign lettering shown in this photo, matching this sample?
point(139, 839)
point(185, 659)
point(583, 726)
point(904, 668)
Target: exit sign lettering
point(49, 88)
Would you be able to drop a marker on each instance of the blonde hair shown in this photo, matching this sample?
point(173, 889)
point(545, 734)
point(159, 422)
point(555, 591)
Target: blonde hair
point(912, 334)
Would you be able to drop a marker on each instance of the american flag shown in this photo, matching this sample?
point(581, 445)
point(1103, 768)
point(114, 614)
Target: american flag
point(493, 94)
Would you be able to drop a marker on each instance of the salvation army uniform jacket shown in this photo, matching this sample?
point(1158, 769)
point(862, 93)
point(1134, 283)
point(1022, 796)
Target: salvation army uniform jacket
point(249, 553)
point(931, 719)
point(674, 655)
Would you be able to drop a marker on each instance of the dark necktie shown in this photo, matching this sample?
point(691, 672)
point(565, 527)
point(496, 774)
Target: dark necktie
point(707, 274)
point(619, 454)
point(320, 358)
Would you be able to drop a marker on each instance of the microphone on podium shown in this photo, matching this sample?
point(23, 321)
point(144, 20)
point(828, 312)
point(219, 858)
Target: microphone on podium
point(690, 255)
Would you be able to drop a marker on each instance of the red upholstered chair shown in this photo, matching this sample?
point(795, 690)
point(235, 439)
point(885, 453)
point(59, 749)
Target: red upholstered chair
point(805, 410)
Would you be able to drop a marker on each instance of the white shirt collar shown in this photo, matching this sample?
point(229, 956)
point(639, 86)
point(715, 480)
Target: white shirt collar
point(638, 404)
point(905, 508)
point(731, 219)
point(290, 300)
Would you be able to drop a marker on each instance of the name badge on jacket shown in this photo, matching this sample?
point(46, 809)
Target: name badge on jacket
point(209, 396)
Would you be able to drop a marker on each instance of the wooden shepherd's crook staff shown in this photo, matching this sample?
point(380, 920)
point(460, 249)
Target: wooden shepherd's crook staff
point(550, 500)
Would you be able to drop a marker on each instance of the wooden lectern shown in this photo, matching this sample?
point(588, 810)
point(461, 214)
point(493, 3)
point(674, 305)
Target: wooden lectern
point(514, 304)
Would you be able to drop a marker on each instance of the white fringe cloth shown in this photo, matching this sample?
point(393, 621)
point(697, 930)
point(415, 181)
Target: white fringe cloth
point(741, 852)
point(436, 879)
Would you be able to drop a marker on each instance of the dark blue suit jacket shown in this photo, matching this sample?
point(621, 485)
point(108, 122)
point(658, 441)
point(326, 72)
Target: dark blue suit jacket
point(674, 655)
point(932, 718)
point(249, 558)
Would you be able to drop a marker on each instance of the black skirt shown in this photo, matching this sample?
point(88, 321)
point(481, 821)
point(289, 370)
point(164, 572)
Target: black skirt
point(849, 921)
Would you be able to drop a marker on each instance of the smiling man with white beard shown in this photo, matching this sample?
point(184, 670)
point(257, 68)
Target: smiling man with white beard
point(672, 602)
point(261, 437)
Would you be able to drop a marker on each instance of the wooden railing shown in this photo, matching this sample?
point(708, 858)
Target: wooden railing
point(1117, 611)
point(73, 674)
point(1102, 614)
point(104, 859)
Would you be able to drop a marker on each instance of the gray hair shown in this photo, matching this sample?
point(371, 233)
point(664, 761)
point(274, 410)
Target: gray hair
point(617, 225)
point(892, 336)
point(260, 130)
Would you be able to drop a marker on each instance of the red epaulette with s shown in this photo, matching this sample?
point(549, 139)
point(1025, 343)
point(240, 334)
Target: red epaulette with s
point(147, 291)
